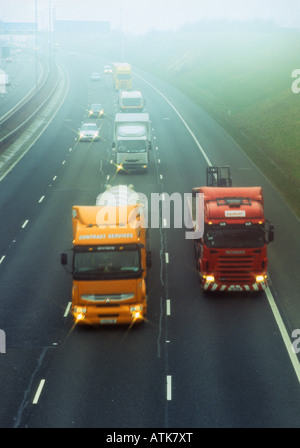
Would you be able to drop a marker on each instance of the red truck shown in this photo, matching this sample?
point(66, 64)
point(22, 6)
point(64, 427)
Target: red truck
point(231, 255)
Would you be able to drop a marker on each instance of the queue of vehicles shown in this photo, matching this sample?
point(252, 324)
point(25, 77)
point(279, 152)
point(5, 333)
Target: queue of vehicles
point(111, 250)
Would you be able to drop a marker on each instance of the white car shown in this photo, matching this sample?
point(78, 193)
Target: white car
point(107, 69)
point(95, 76)
point(89, 131)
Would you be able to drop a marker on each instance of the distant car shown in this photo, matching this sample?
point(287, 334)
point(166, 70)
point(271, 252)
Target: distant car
point(96, 110)
point(95, 76)
point(89, 131)
point(107, 69)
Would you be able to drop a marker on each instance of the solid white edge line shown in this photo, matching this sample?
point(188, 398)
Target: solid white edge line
point(181, 118)
point(284, 333)
point(169, 387)
point(40, 133)
point(38, 392)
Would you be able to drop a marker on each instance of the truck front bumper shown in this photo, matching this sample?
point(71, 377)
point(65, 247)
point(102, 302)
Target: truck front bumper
point(114, 315)
point(209, 283)
point(135, 166)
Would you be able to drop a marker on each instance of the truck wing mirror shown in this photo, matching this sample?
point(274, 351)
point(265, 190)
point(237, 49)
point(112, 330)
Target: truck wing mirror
point(64, 259)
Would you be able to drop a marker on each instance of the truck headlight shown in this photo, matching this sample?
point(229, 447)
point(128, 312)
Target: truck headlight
point(136, 311)
point(210, 279)
point(260, 278)
point(79, 312)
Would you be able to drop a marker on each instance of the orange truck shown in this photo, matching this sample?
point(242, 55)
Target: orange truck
point(231, 254)
point(110, 259)
point(122, 75)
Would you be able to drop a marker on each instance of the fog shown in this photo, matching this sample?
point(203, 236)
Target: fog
point(140, 16)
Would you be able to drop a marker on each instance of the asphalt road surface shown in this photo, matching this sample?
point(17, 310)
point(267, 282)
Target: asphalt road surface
point(24, 71)
point(198, 361)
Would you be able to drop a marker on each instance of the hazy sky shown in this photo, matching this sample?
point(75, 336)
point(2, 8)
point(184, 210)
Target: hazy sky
point(142, 15)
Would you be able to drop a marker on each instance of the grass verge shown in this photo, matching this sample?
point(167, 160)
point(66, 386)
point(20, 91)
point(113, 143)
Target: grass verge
point(244, 81)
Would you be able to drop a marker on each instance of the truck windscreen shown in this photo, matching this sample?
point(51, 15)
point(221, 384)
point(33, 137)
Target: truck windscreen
point(132, 146)
point(124, 76)
point(107, 262)
point(233, 236)
point(130, 102)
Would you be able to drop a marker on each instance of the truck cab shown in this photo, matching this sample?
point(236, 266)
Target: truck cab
point(132, 142)
point(131, 101)
point(110, 258)
point(231, 255)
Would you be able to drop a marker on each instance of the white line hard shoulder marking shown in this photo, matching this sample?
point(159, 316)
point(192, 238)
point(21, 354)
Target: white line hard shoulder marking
point(37, 124)
point(274, 308)
point(41, 199)
point(284, 333)
point(182, 119)
point(2, 259)
point(25, 224)
point(38, 392)
point(167, 257)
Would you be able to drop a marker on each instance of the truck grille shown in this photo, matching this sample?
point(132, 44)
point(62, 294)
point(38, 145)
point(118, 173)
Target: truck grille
point(235, 269)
